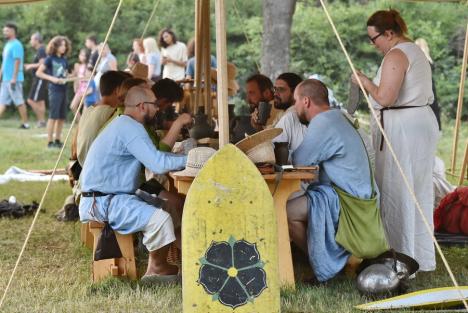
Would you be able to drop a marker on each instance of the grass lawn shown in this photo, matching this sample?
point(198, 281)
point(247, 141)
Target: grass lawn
point(55, 272)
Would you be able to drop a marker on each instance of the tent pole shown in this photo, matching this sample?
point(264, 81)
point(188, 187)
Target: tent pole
point(464, 168)
point(222, 85)
point(207, 59)
point(460, 105)
point(198, 55)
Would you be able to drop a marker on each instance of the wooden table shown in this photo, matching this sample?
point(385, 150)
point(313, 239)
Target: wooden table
point(289, 183)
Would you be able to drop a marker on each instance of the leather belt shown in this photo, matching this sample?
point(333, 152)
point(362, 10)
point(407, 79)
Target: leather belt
point(89, 194)
point(393, 108)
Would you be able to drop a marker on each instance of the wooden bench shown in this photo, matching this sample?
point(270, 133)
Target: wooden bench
point(119, 267)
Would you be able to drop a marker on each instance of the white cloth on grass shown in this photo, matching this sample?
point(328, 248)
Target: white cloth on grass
point(18, 174)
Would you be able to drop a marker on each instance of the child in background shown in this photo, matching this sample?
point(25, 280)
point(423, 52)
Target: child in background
point(55, 70)
point(92, 92)
point(79, 86)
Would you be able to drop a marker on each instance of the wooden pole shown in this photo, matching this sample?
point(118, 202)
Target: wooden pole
point(221, 56)
point(464, 166)
point(207, 59)
point(461, 93)
point(198, 53)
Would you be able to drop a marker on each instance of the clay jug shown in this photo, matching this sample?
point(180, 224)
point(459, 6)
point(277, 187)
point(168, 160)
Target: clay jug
point(201, 128)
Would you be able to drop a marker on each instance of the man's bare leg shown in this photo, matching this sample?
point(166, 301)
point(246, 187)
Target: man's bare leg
point(157, 263)
point(58, 129)
point(297, 210)
point(38, 108)
point(175, 207)
point(50, 129)
point(23, 113)
point(2, 109)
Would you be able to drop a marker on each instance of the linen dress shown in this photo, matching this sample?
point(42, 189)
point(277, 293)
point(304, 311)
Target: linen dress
point(413, 133)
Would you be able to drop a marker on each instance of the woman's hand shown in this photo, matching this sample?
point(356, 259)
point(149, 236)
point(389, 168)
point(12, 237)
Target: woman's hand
point(362, 77)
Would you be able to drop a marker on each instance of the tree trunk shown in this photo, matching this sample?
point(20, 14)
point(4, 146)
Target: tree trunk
point(277, 20)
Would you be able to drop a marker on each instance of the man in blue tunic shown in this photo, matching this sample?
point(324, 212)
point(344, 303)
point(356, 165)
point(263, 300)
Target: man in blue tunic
point(332, 143)
point(110, 178)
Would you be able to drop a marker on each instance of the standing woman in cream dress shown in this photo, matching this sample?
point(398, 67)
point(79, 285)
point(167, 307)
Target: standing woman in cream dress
point(401, 93)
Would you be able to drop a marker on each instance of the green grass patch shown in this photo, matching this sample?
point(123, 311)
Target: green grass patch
point(55, 272)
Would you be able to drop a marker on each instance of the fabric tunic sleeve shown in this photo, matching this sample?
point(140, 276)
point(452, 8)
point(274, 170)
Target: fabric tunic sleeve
point(143, 149)
point(319, 144)
point(286, 124)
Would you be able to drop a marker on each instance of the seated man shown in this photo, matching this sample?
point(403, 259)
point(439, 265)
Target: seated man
point(110, 178)
point(96, 116)
point(331, 142)
point(259, 88)
point(293, 129)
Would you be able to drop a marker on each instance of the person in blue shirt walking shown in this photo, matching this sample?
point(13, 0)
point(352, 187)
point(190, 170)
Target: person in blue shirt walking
point(55, 70)
point(11, 74)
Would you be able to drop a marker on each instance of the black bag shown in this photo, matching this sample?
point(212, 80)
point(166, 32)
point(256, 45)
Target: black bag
point(107, 246)
point(75, 169)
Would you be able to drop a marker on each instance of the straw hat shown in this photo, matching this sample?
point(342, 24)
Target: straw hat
point(140, 70)
point(196, 158)
point(233, 86)
point(259, 147)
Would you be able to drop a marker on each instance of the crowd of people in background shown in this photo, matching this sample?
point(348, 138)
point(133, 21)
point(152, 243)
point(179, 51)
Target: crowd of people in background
point(165, 57)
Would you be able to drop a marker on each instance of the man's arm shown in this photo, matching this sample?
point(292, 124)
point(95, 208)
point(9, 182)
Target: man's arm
point(15, 71)
point(33, 66)
point(156, 161)
point(41, 74)
point(179, 63)
point(174, 131)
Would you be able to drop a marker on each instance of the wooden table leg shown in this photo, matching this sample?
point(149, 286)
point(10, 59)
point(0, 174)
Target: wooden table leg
point(283, 191)
point(183, 186)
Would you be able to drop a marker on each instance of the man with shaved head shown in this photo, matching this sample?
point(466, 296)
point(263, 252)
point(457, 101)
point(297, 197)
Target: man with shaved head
point(332, 142)
point(110, 178)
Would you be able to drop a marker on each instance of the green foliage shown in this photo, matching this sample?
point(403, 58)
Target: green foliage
point(314, 48)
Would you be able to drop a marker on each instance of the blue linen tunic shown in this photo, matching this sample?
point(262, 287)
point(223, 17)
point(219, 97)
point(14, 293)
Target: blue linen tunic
point(113, 166)
point(332, 143)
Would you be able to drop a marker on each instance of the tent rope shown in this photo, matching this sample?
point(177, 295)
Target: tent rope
point(150, 19)
point(36, 215)
point(244, 32)
point(387, 141)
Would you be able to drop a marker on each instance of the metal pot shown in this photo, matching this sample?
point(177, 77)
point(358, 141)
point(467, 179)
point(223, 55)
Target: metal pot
point(379, 279)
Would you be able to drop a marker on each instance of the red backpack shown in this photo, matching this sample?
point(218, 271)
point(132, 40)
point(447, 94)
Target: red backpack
point(451, 215)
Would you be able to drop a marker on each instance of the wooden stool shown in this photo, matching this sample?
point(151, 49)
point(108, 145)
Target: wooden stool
point(352, 265)
point(85, 236)
point(121, 267)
